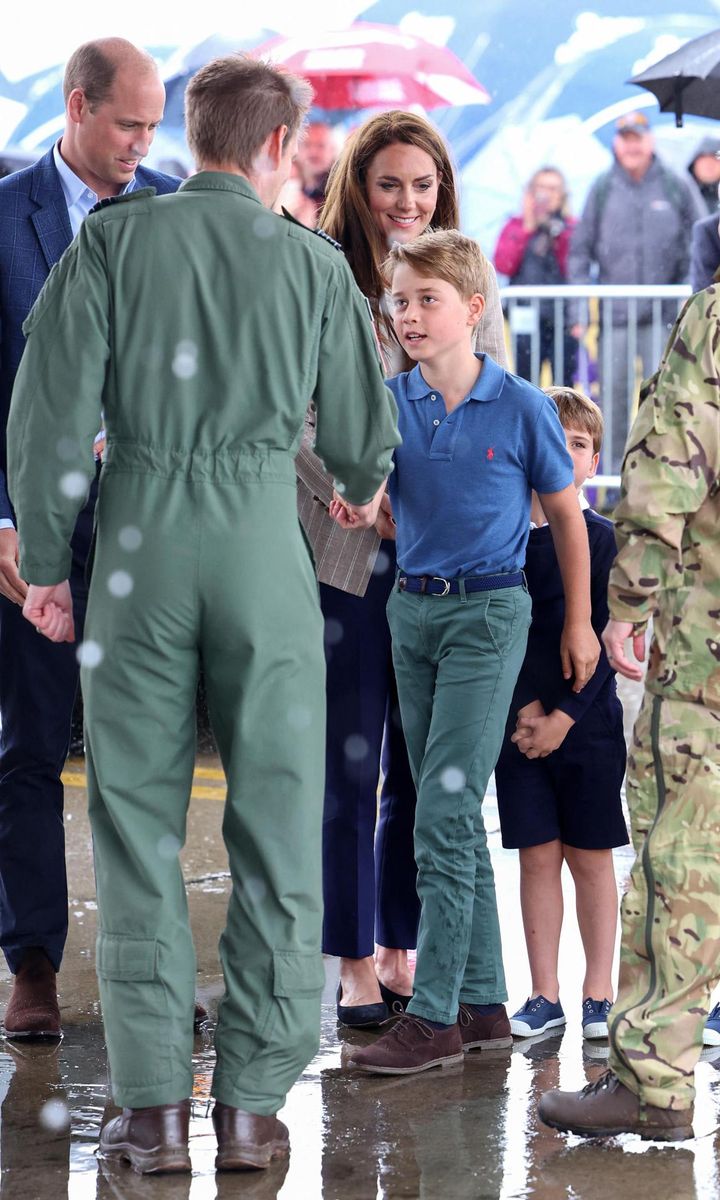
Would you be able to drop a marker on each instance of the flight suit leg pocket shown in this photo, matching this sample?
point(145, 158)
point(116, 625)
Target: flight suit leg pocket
point(135, 1007)
point(293, 1024)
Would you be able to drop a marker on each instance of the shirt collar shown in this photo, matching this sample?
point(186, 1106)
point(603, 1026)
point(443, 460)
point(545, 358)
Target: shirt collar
point(487, 386)
point(220, 181)
point(74, 189)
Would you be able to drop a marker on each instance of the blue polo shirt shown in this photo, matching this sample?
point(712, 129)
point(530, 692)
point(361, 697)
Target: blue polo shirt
point(461, 486)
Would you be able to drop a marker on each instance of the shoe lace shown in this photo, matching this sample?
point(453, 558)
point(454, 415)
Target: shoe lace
point(464, 1016)
point(605, 1082)
point(408, 1026)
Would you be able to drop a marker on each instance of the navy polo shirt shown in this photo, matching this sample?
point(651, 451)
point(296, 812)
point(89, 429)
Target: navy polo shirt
point(461, 486)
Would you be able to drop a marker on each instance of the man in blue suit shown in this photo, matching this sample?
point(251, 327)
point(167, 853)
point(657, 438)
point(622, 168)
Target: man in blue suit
point(114, 102)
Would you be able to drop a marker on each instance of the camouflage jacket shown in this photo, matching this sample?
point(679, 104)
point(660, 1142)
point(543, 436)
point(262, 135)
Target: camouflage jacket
point(668, 518)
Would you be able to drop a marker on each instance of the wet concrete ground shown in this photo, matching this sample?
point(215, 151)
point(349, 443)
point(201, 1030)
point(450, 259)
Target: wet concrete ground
point(468, 1133)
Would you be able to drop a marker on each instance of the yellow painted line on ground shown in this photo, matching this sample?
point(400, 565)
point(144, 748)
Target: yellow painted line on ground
point(77, 779)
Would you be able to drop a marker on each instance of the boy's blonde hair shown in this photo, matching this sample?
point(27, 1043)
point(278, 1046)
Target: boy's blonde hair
point(444, 254)
point(578, 411)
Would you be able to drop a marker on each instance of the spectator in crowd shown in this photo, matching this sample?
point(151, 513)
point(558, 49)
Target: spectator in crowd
point(533, 249)
point(634, 229)
point(316, 154)
point(704, 252)
point(704, 167)
point(114, 99)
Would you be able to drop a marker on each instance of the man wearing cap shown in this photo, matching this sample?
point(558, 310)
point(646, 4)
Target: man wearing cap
point(635, 229)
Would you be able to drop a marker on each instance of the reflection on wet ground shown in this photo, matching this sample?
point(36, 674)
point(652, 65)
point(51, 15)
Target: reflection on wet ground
point(468, 1133)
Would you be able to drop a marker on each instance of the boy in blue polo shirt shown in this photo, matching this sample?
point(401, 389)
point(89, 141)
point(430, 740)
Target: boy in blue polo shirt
point(476, 442)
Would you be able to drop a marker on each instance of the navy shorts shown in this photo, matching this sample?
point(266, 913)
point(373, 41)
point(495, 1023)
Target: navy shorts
point(572, 795)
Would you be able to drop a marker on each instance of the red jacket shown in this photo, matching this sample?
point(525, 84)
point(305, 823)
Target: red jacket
point(513, 240)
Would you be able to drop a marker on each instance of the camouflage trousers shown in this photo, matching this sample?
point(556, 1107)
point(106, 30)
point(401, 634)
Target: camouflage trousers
point(670, 953)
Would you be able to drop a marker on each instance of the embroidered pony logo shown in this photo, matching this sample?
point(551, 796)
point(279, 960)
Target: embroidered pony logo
point(490, 454)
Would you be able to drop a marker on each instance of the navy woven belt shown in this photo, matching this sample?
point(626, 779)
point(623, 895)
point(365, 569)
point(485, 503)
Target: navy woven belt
point(435, 585)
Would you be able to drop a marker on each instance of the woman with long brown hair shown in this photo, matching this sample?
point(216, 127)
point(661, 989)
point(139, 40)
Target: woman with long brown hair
point(393, 181)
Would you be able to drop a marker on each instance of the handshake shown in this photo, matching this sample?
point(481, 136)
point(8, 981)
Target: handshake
point(377, 513)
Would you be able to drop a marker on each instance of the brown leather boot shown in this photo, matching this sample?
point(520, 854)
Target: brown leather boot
point(246, 1140)
point(411, 1045)
point(484, 1031)
point(32, 1011)
point(606, 1108)
point(153, 1140)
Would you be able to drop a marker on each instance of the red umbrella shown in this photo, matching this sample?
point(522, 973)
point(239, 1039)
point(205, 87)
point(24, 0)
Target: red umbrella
point(376, 66)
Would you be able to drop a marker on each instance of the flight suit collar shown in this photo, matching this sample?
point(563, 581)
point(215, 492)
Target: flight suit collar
point(219, 181)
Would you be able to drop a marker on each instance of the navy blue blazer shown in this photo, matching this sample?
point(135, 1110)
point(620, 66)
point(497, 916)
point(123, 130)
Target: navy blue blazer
point(34, 233)
point(704, 252)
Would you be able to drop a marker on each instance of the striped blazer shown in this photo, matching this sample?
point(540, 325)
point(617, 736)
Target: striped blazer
point(345, 558)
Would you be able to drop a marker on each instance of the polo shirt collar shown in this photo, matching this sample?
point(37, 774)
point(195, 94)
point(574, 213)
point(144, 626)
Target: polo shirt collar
point(487, 386)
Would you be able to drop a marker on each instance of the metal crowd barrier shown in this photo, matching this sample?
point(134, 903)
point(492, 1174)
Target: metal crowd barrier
point(615, 352)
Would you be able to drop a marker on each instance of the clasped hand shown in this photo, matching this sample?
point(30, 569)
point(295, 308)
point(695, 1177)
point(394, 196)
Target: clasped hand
point(538, 733)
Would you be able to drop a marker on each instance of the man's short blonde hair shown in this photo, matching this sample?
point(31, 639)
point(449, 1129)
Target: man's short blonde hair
point(445, 254)
point(578, 411)
point(234, 103)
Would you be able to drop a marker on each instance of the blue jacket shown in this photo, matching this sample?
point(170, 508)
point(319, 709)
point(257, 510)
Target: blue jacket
point(704, 252)
point(34, 233)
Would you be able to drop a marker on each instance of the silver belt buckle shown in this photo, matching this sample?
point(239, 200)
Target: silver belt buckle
point(446, 589)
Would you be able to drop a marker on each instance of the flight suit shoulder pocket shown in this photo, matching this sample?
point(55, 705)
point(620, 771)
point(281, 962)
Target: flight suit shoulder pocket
point(297, 974)
point(126, 958)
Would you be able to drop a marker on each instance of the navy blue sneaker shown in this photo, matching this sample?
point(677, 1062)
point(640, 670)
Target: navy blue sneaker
point(711, 1036)
point(594, 1017)
point(536, 1015)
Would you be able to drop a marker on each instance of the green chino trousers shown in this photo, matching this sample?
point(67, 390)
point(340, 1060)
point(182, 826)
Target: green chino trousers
point(456, 659)
point(200, 560)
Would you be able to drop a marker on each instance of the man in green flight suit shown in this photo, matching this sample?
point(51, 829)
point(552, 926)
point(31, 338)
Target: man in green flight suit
point(668, 568)
point(201, 324)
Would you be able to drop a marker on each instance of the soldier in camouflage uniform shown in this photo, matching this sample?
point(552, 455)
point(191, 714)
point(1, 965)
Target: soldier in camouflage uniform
point(668, 567)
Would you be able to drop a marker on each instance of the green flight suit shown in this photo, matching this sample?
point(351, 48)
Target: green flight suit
point(201, 323)
point(668, 567)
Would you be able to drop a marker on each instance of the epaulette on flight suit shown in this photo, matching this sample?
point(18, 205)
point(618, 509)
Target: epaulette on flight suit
point(318, 232)
point(126, 197)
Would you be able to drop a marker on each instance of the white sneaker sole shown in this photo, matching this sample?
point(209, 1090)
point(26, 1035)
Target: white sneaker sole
point(598, 1029)
point(522, 1029)
point(711, 1037)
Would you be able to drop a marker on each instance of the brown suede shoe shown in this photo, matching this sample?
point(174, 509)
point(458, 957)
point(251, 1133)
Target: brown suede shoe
point(484, 1031)
point(32, 1011)
point(247, 1141)
point(200, 1016)
point(152, 1140)
point(606, 1108)
point(411, 1045)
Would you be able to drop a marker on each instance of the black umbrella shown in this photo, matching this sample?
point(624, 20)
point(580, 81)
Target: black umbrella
point(688, 80)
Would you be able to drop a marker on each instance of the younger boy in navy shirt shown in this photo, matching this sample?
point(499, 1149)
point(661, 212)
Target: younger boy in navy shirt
point(476, 441)
point(562, 763)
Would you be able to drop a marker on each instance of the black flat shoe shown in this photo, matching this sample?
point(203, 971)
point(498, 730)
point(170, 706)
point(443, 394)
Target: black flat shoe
point(396, 1002)
point(361, 1016)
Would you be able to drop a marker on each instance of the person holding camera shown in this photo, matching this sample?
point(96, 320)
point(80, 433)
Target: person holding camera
point(532, 250)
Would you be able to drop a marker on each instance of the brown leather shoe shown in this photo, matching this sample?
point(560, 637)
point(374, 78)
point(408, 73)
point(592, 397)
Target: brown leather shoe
point(484, 1031)
point(152, 1140)
point(606, 1108)
point(247, 1141)
point(200, 1016)
point(411, 1045)
point(32, 1011)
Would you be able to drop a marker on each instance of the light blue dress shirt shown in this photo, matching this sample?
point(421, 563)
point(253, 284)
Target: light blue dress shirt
point(78, 196)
